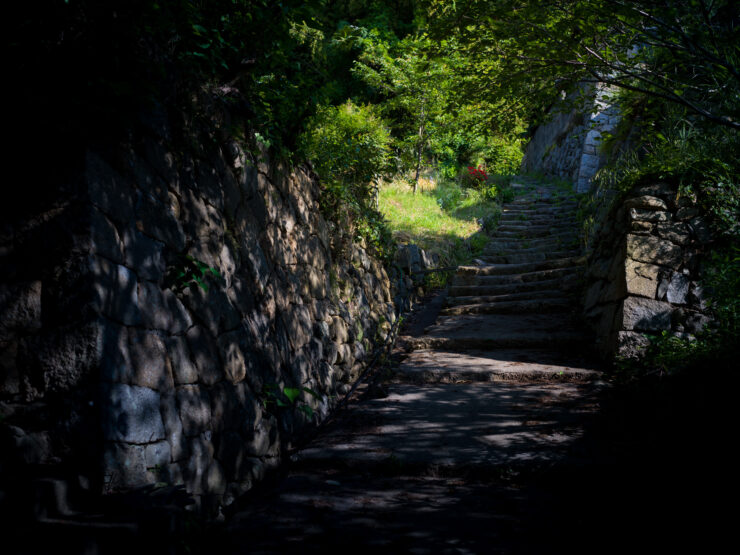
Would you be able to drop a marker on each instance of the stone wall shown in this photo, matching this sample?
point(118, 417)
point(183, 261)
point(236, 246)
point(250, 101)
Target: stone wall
point(567, 146)
point(644, 270)
point(116, 366)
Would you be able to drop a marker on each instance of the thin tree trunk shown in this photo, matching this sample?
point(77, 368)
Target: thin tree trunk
point(419, 145)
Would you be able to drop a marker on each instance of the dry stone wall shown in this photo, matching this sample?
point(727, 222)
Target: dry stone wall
point(110, 364)
point(568, 146)
point(644, 271)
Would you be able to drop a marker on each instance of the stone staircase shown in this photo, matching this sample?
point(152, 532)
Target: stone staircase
point(508, 330)
point(519, 294)
point(499, 386)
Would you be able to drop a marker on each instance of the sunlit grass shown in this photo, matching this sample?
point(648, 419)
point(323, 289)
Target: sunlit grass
point(440, 218)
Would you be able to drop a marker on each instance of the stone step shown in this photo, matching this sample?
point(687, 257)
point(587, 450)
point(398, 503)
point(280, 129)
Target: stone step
point(539, 340)
point(517, 224)
point(503, 246)
point(508, 279)
point(541, 211)
point(484, 426)
point(527, 204)
point(511, 288)
point(531, 230)
point(502, 329)
point(564, 234)
point(530, 366)
point(508, 269)
point(535, 234)
point(540, 220)
point(562, 304)
point(535, 256)
point(465, 300)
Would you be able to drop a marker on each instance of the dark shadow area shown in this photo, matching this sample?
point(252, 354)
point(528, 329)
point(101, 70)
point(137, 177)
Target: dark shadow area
point(649, 475)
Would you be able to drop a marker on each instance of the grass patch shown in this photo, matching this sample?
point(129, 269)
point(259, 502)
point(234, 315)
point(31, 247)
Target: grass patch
point(442, 218)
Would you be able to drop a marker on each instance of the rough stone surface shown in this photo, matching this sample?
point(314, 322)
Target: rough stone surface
point(645, 314)
point(174, 286)
point(131, 414)
point(653, 267)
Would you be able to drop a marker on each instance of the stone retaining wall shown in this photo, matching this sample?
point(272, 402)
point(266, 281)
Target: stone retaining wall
point(568, 145)
point(111, 366)
point(643, 273)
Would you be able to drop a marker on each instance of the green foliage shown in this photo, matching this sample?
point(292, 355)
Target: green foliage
point(349, 146)
point(682, 52)
point(189, 272)
point(274, 397)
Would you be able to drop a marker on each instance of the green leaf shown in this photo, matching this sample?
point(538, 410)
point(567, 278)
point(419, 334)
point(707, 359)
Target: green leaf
point(308, 411)
point(292, 393)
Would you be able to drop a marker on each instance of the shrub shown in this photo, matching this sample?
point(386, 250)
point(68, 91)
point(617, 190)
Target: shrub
point(474, 178)
point(349, 147)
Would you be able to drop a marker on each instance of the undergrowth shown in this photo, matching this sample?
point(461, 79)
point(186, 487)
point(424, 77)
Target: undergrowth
point(450, 222)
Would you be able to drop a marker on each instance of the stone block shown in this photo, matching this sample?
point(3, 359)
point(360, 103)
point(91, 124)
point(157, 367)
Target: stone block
point(646, 202)
point(143, 254)
point(180, 317)
point(213, 308)
point(675, 232)
point(105, 238)
point(173, 427)
point(9, 375)
point(661, 190)
point(339, 331)
point(264, 442)
point(214, 479)
point(653, 250)
point(115, 362)
point(184, 370)
point(686, 213)
point(641, 278)
point(131, 414)
point(231, 347)
point(233, 407)
point(241, 294)
point(156, 219)
point(124, 466)
point(108, 190)
point(636, 214)
point(641, 228)
point(233, 455)
point(195, 409)
point(641, 314)
point(196, 466)
point(20, 306)
point(204, 352)
point(678, 289)
point(58, 360)
point(157, 455)
point(154, 313)
point(298, 325)
point(116, 292)
point(631, 344)
point(149, 361)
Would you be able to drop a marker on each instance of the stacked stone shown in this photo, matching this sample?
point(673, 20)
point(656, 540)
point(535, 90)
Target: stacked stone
point(568, 146)
point(644, 271)
point(180, 375)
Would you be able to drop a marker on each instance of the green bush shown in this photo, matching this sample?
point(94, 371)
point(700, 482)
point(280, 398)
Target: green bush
point(349, 147)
